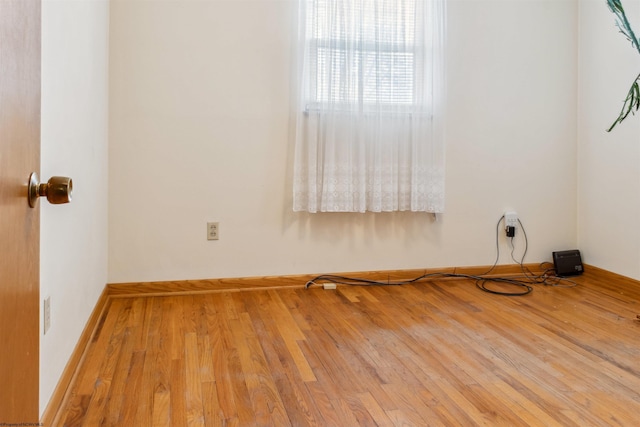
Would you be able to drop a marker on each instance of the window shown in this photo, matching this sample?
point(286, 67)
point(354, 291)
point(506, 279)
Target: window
point(374, 65)
point(369, 91)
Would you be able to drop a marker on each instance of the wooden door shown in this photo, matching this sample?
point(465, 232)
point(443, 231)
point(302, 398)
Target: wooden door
point(19, 225)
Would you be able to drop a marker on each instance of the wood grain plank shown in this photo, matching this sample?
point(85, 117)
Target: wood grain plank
point(132, 389)
point(291, 334)
point(161, 412)
point(213, 415)
point(375, 410)
point(162, 352)
point(195, 409)
point(221, 343)
point(113, 352)
point(151, 327)
point(273, 405)
point(101, 342)
point(178, 398)
point(236, 403)
point(301, 408)
point(120, 376)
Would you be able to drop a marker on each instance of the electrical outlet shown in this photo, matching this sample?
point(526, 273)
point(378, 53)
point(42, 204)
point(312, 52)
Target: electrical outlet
point(213, 230)
point(510, 219)
point(47, 314)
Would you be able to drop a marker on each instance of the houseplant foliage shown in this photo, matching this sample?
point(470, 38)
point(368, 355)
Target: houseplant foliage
point(632, 101)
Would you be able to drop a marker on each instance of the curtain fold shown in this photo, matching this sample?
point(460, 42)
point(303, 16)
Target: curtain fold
point(370, 104)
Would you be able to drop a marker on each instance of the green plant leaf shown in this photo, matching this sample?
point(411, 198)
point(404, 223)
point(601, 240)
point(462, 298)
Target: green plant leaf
point(623, 23)
point(631, 103)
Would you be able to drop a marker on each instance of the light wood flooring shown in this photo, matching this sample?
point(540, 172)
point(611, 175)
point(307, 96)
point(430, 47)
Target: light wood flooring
point(436, 353)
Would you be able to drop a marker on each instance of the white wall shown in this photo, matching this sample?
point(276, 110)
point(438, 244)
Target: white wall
point(609, 163)
point(199, 125)
point(73, 270)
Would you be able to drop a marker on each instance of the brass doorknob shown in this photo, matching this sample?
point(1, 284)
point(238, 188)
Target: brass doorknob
point(57, 190)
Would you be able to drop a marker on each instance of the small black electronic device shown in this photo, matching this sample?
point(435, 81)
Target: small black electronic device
point(568, 263)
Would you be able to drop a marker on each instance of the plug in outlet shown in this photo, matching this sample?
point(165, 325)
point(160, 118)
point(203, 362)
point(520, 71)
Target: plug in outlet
point(510, 223)
point(47, 314)
point(213, 230)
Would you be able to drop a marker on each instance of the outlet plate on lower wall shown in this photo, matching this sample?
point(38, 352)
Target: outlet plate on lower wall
point(47, 314)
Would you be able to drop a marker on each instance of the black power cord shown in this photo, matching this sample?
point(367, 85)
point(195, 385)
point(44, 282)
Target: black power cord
point(525, 282)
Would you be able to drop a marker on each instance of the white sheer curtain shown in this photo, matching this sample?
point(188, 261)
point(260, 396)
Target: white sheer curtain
point(370, 96)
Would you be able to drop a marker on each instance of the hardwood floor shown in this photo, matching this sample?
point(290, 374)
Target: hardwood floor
point(436, 353)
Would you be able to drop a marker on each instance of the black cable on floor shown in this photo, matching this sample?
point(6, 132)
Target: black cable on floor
point(482, 281)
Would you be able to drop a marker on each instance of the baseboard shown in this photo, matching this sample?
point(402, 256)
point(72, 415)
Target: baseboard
point(60, 394)
point(187, 287)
